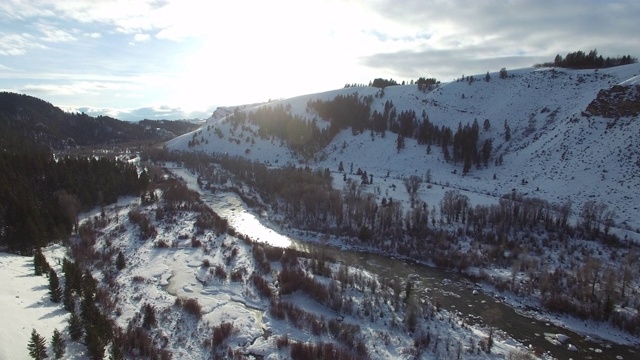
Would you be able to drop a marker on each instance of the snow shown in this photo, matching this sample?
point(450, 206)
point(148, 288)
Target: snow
point(26, 304)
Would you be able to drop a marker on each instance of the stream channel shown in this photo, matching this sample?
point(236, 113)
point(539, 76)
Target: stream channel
point(454, 292)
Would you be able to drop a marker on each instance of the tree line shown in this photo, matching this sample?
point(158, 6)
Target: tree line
point(591, 60)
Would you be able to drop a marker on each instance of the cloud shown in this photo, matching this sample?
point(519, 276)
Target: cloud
point(93, 35)
point(141, 37)
point(18, 44)
point(53, 34)
point(467, 36)
point(73, 88)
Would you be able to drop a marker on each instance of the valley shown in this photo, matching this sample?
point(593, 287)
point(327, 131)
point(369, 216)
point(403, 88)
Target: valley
point(481, 218)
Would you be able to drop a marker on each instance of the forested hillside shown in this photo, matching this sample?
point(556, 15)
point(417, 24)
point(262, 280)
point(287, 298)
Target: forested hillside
point(41, 196)
point(26, 121)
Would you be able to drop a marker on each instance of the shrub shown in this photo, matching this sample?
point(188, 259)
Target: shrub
point(220, 272)
point(191, 306)
point(236, 275)
point(221, 333)
point(261, 285)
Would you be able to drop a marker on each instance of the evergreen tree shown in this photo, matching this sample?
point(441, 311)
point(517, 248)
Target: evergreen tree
point(40, 264)
point(399, 142)
point(58, 344)
point(95, 346)
point(75, 327)
point(54, 286)
point(487, 77)
point(89, 284)
point(507, 131)
point(486, 151)
point(486, 125)
point(116, 352)
point(37, 346)
point(120, 262)
point(340, 167)
point(67, 298)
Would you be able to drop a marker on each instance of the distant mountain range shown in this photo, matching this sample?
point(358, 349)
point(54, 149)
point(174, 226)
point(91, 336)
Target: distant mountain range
point(26, 121)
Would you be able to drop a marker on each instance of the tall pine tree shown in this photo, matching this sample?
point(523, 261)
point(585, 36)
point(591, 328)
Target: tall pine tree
point(58, 344)
point(75, 327)
point(37, 346)
point(55, 293)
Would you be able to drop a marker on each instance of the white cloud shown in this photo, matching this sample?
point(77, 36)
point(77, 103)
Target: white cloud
point(54, 34)
point(76, 88)
point(141, 37)
point(93, 35)
point(18, 44)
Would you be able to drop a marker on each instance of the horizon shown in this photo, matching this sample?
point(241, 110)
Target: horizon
point(183, 59)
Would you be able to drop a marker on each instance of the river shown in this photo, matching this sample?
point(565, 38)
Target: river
point(453, 291)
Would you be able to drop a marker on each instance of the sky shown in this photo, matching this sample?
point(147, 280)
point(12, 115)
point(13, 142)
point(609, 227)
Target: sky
point(172, 59)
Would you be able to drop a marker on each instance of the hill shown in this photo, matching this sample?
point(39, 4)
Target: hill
point(26, 121)
point(546, 139)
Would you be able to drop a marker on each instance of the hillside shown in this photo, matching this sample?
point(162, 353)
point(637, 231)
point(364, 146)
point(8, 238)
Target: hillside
point(558, 150)
point(26, 121)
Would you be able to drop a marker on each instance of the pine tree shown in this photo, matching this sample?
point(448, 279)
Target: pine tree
point(54, 286)
point(116, 352)
point(37, 346)
point(75, 327)
point(507, 131)
point(58, 344)
point(120, 262)
point(340, 167)
point(67, 298)
point(40, 264)
point(95, 346)
point(89, 284)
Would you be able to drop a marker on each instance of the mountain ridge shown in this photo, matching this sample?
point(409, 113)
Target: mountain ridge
point(556, 150)
point(27, 121)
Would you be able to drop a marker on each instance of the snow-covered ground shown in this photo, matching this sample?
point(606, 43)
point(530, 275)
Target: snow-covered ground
point(26, 305)
point(158, 276)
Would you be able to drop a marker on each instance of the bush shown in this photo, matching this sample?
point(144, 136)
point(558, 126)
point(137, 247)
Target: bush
point(220, 272)
point(237, 275)
point(261, 285)
point(221, 333)
point(191, 306)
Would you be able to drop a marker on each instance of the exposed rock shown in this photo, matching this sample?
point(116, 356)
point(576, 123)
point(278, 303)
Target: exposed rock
point(618, 101)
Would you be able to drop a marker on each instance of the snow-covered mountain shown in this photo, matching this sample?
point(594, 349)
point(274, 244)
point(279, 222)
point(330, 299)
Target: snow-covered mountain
point(562, 147)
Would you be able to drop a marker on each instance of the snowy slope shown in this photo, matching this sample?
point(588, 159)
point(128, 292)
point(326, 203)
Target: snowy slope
point(559, 151)
point(26, 305)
